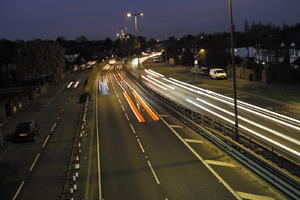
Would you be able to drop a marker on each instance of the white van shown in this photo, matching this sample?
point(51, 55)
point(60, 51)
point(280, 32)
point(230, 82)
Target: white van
point(217, 73)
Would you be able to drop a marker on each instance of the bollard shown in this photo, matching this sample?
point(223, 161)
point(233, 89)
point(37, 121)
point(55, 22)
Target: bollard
point(77, 158)
point(75, 187)
point(74, 178)
point(77, 166)
point(71, 190)
point(79, 144)
point(76, 174)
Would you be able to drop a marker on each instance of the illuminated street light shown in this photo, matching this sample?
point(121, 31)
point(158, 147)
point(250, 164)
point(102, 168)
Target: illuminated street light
point(202, 50)
point(135, 15)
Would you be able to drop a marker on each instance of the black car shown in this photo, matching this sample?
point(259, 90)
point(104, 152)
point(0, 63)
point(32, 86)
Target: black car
point(26, 131)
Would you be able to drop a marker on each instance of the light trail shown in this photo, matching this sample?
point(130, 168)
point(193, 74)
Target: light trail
point(133, 108)
point(154, 83)
point(253, 123)
point(151, 73)
point(253, 112)
point(166, 85)
point(239, 102)
point(204, 92)
point(145, 106)
point(154, 72)
point(294, 152)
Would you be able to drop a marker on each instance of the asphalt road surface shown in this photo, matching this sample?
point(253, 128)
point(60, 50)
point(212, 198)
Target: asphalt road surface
point(145, 158)
point(36, 170)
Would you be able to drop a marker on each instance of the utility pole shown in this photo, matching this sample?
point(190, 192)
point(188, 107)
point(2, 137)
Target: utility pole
point(135, 15)
point(236, 131)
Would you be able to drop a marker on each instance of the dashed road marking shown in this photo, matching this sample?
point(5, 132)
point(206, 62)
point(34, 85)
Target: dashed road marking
point(127, 116)
point(18, 190)
point(249, 196)
point(141, 145)
point(36, 158)
point(175, 126)
point(220, 163)
point(193, 141)
point(153, 172)
point(123, 108)
point(132, 128)
point(53, 127)
point(47, 138)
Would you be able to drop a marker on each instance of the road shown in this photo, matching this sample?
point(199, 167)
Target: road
point(142, 157)
point(281, 131)
point(36, 170)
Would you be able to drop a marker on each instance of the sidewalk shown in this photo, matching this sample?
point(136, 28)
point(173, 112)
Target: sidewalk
point(284, 99)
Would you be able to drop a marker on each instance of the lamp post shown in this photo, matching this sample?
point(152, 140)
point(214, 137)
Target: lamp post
point(135, 15)
point(236, 130)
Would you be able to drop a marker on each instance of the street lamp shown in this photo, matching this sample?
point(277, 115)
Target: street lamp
point(236, 131)
point(135, 15)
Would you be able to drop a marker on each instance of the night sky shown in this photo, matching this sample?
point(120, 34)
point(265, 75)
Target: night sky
point(98, 19)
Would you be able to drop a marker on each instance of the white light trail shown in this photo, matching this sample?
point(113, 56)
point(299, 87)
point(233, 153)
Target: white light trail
point(158, 74)
point(160, 82)
point(253, 112)
point(154, 83)
point(204, 92)
point(247, 129)
point(253, 123)
point(151, 73)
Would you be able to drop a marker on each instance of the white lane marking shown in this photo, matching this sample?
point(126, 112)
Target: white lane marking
point(127, 116)
point(175, 126)
point(117, 95)
point(205, 164)
point(132, 128)
point(47, 138)
point(153, 172)
point(76, 84)
point(194, 141)
point(97, 144)
point(220, 163)
point(123, 108)
point(164, 115)
point(70, 84)
point(36, 158)
point(18, 190)
point(119, 101)
point(254, 196)
point(53, 127)
point(141, 145)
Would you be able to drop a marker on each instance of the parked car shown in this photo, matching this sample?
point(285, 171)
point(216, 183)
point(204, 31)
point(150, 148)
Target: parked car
point(204, 71)
point(26, 131)
point(156, 59)
point(217, 73)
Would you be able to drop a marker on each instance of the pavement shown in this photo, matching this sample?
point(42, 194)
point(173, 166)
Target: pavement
point(36, 170)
